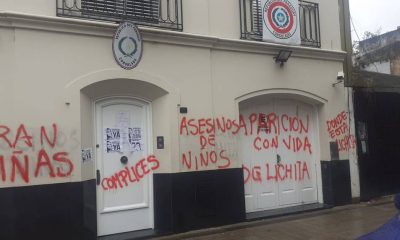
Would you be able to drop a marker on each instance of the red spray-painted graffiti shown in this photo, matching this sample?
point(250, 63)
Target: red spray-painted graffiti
point(130, 175)
point(295, 139)
point(339, 130)
point(57, 164)
point(207, 154)
point(338, 125)
point(276, 125)
point(205, 159)
point(271, 123)
point(295, 144)
point(297, 171)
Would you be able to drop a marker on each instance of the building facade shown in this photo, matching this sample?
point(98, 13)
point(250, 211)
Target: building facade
point(206, 130)
point(380, 53)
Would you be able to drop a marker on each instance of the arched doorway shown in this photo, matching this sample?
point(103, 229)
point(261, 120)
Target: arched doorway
point(118, 118)
point(279, 153)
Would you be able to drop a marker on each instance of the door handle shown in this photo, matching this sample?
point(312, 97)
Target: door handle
point(98, 177)
point(124, 160)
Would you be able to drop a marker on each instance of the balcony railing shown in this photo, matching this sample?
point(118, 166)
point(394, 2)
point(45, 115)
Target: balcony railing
point(251, 22)
point(154, 13)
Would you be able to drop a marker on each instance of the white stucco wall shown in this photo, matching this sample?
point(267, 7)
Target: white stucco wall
point(206, 17)
point(52, 69)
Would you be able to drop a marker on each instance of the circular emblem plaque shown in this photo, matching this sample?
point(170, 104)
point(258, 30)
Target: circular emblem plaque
point(127, 45)
point(280, 18)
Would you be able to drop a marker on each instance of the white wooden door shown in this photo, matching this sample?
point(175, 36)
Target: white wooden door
point(255, 150)
point(279, 160)
point(308, 183)
point(124, 192)
point(287, 155)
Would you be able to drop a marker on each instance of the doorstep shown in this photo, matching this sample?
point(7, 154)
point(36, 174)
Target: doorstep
point(135, 235)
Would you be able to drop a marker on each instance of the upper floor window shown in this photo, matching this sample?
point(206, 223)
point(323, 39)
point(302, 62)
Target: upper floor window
point(155, 13)
point(252, 22)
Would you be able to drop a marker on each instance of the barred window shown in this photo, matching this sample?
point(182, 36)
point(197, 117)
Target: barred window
point(252, 22)
point(141, 10)
point(153, 13)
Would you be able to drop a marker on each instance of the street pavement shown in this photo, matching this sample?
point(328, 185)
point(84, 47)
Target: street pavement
point(346, 222)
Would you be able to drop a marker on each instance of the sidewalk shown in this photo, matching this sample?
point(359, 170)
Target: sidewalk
point(346, 222)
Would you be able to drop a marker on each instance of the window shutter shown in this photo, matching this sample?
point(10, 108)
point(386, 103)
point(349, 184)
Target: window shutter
point(137, 10)
point(256, 14)
point(148, 10)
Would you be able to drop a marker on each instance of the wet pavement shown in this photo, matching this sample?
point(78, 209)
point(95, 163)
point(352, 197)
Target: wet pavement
point(346, 222)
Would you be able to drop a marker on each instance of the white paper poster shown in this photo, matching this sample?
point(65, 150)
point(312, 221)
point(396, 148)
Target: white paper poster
point(112, 140)
point(281, 21)
point(123, 139)
point(87, 155)
point(123, 119)
point(135, 139)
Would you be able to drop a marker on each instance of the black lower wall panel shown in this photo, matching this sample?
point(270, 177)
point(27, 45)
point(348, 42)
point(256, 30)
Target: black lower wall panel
point(89, 209)
point(336, 182)
point(67, 211)
point(195, 200)
point(163, 203)
point(44, 212)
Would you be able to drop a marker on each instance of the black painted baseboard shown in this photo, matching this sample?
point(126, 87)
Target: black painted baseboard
point(195, 200)
point(336, 182)
point(47, 212)
point(67, 211)
point(182, 202)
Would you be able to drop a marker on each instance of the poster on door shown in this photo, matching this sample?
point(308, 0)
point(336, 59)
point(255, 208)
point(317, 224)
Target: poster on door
point(123, 139)
point(281, 21)
point(135, 139)
point(112, 140)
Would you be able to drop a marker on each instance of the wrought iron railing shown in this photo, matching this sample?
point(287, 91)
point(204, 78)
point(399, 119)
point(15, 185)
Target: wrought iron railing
point(251, 22)
point(154, 13)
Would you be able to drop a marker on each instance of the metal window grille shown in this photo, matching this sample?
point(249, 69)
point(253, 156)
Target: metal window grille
point(251, 22)
point(155, 13)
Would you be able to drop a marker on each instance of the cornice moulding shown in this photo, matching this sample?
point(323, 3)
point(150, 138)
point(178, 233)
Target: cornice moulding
point(17, 20)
